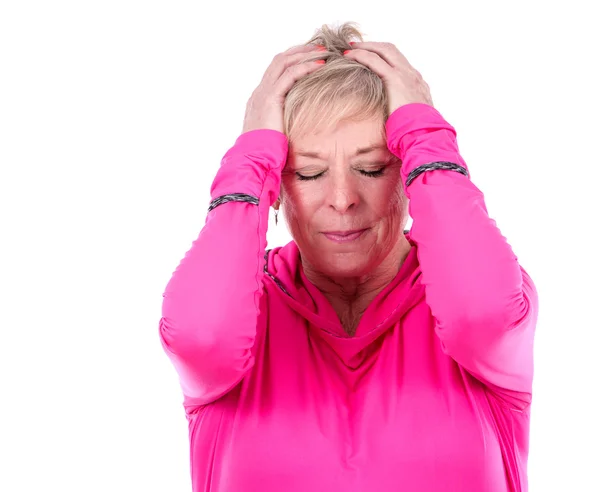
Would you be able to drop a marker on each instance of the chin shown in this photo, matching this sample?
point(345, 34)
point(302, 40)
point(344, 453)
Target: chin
point(345, 264)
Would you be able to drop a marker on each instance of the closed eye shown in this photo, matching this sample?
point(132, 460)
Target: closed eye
point(308, 178)
point(372, 174)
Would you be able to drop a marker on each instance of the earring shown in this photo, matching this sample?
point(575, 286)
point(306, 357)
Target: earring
point(276, 212)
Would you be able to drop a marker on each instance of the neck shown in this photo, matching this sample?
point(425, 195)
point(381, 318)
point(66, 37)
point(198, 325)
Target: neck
point(350, 296)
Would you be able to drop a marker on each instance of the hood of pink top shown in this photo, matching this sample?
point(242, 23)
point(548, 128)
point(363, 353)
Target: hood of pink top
point(284, 268)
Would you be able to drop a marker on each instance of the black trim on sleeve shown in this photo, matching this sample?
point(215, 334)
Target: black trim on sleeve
point(448, 166)
point(233, 197)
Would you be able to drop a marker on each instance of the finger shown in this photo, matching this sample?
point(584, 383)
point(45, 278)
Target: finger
point(282, 61)
point(291, 75)
point(373, 61)
point(386, 51)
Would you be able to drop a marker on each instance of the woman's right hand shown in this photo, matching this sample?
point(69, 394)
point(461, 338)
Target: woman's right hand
point(264, 109)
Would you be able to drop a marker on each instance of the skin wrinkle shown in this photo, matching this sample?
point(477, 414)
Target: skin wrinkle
point(350, 275)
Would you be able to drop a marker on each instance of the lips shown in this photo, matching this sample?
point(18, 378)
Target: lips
point(343, 233)
point(344, 236)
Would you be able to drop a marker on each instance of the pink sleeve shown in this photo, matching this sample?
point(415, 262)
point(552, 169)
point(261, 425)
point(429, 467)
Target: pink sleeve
point(210, 305)
point(484, 303)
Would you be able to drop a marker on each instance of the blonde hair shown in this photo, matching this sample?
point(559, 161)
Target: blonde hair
point(340, 90)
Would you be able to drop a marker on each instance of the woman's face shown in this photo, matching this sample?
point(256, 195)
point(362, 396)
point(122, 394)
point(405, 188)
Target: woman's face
point(351, 191)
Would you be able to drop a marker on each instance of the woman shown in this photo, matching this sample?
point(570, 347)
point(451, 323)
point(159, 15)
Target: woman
point(358, 357)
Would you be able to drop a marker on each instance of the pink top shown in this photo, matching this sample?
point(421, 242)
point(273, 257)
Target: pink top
point(431, 394)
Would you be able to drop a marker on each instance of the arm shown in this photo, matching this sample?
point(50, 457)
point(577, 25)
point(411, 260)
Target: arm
point(211, 303)
point(484, 303)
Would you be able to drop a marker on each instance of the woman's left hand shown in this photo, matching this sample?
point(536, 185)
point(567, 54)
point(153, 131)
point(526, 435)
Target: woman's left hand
point(404, 84)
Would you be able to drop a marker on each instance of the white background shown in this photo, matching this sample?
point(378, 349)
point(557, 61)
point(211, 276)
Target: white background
point(114, 117)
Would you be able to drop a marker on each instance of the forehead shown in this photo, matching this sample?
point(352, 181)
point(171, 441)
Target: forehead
point(351, 137)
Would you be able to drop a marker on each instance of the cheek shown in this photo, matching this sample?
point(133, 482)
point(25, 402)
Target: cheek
point(301, 197)
point(300, 204)
point(397, 197)
point(388, 197)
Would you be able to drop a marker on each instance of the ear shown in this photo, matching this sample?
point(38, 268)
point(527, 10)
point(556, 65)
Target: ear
point(277, 203)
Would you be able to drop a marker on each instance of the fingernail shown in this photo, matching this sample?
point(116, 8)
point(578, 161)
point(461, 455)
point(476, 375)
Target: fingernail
point(320, 62)
point(320, 47)
point(351, 43)
point(347, 51)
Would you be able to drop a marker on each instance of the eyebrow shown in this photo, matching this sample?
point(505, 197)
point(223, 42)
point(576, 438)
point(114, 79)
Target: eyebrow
point(360, 151)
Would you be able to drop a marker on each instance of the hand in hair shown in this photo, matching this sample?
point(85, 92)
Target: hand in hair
point(264, 109)
point(403, 83)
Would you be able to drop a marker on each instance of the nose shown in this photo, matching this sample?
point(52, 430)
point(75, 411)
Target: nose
point(343, 194)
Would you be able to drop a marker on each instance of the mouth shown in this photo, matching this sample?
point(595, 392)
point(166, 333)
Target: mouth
point(344, 236)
